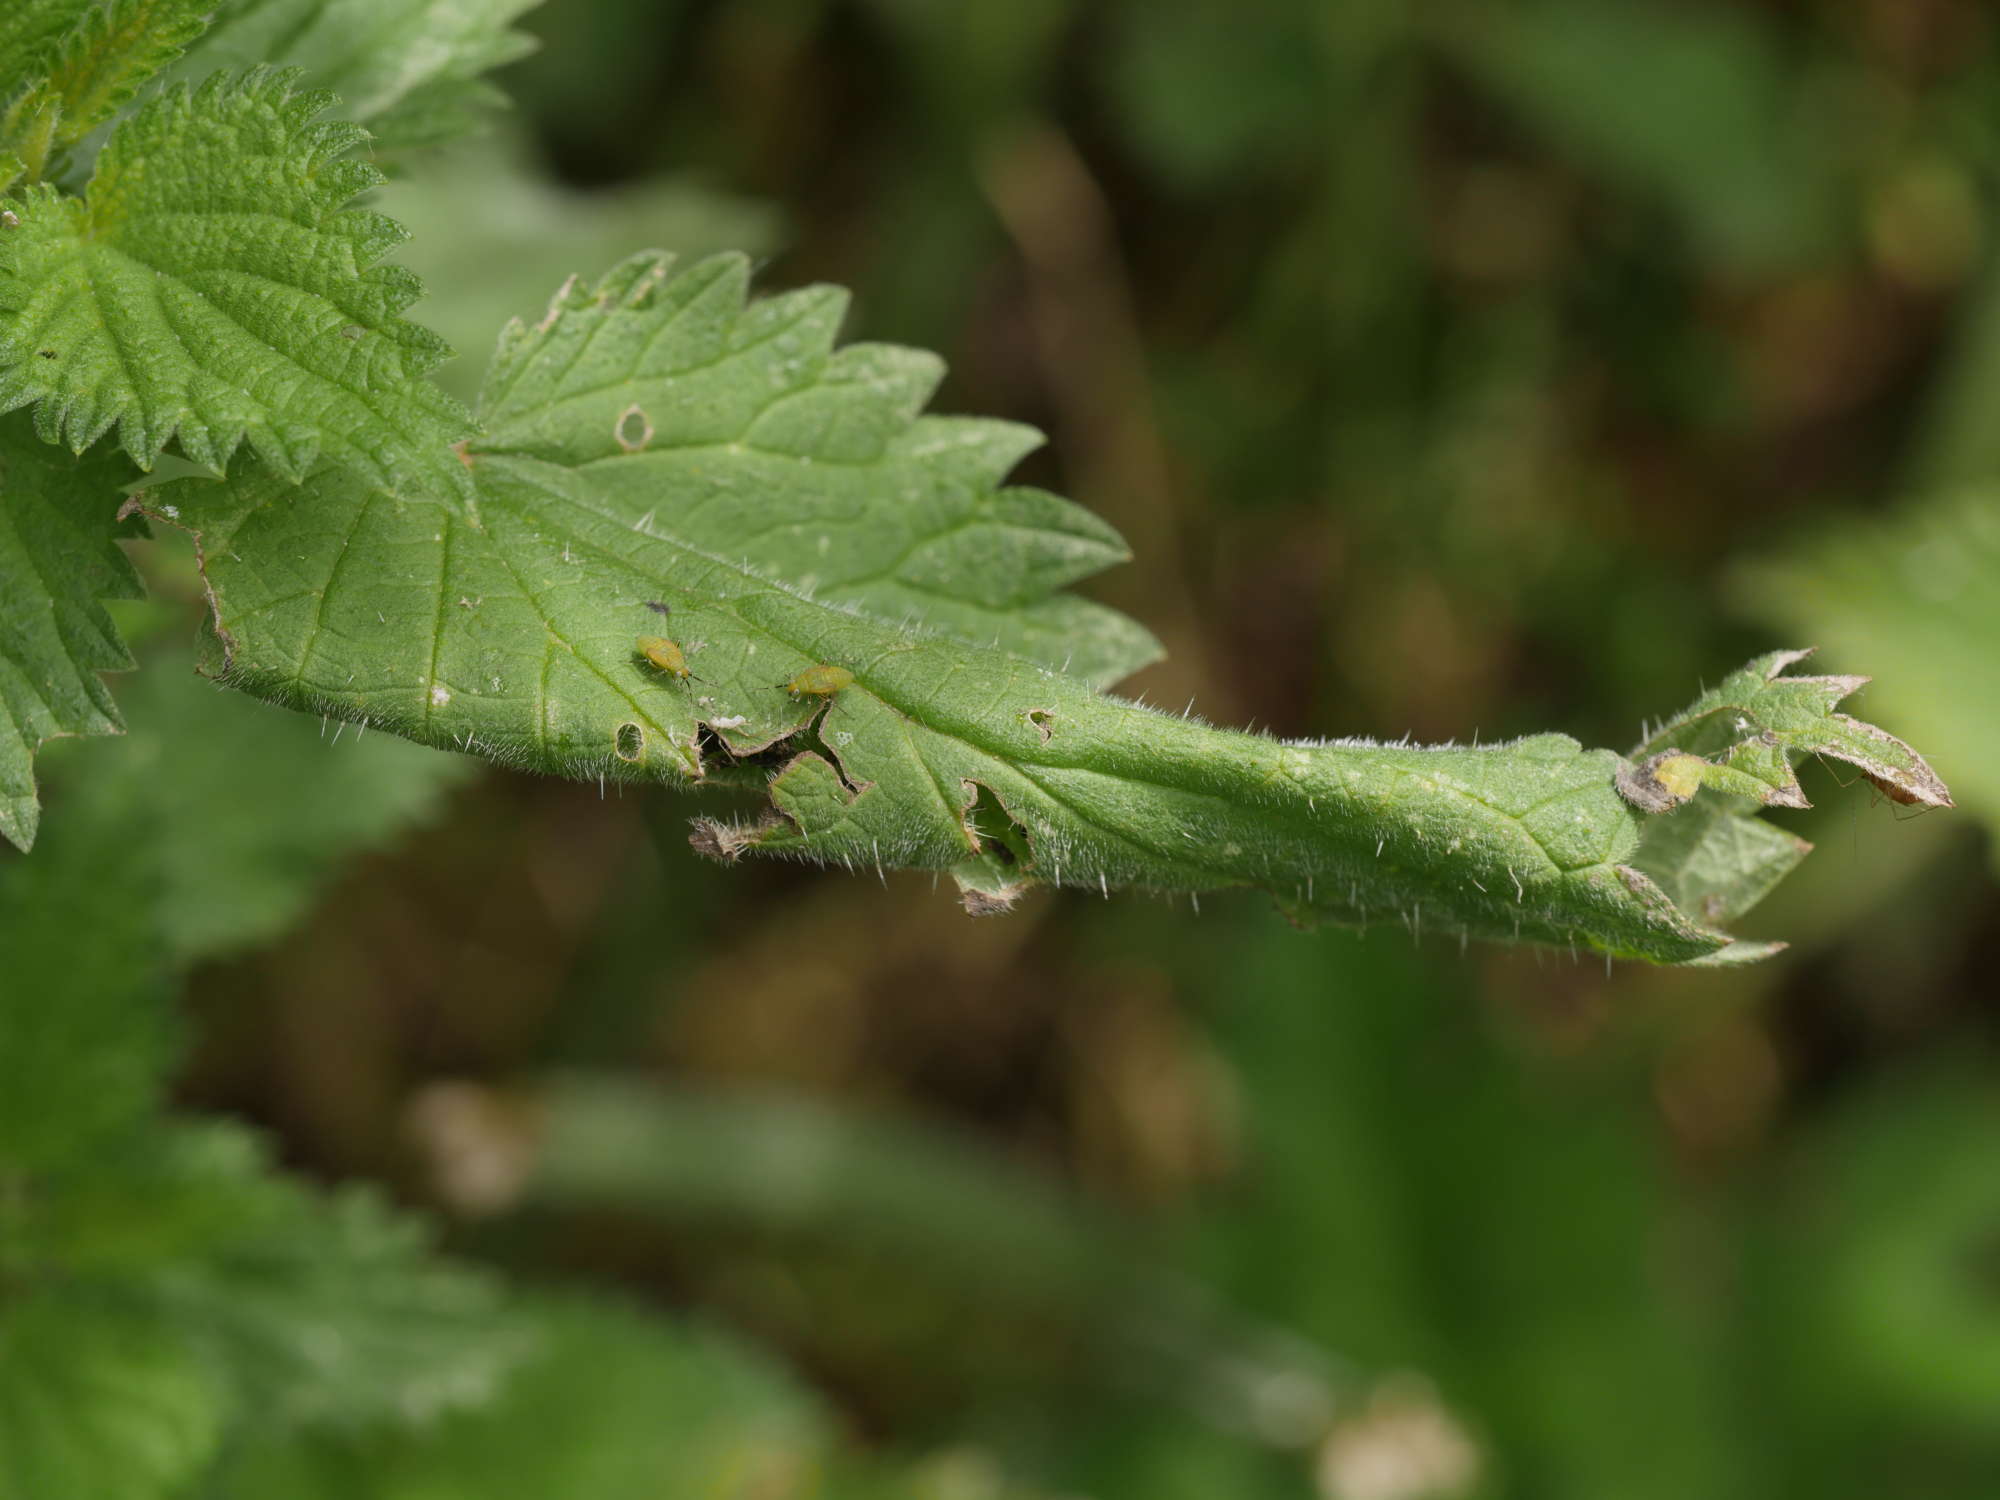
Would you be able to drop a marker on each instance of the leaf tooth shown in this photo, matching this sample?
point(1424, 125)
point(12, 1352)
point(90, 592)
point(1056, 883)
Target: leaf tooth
point(203, 95)
point(199, 443)
point(634, 278)
point(853, 411)
point(979, 451)
point(421, 348)
point(1831, 690)
point(341, 178)
point(1899, 772)
point(391, 288)
point(1738, 953)
point(372, 236)
point(139, 433)
point(639, 295)
point(20, 819)
point(794, 331)
point(568, 297)
point(49, 417)
point(888, 375)
point(704, 305)
point(279, 449)
point(1773, 663)
point(15, 392)
point(295, 106)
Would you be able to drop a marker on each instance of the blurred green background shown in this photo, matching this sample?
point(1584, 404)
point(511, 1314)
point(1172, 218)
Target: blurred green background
point(1450, 367)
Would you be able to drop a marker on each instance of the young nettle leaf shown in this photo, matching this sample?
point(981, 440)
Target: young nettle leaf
point(82, 73)
point(230, 1294)
point(210, 289)
point(1742, 741)
point(1758, 723)
point(29, 31)
point(407, 69)
point(57, 560)
point(664, 466)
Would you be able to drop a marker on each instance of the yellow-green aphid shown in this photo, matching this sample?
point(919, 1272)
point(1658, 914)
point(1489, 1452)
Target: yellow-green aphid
point(821, 681)
point(666, 655)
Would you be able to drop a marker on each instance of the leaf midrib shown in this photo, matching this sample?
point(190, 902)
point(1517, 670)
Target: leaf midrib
point(522, 467)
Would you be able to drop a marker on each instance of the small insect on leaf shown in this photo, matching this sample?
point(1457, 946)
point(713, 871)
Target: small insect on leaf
point(666, 655)
point(820, 681)
point(1899, 794)
point(658, 608)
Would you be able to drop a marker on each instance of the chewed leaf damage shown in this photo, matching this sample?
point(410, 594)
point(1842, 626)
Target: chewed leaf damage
point(870, 624)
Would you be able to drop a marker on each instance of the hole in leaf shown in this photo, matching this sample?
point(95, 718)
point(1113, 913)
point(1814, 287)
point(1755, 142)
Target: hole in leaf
point(630, 744)
point(634, 429)
point(813, 737)
point(732, 766)
point(1000, 837)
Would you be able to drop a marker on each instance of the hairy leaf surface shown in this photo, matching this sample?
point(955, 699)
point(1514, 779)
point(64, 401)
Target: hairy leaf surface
point(82, 73)
point(211, 289)
point(662, 461)
point(29, 31)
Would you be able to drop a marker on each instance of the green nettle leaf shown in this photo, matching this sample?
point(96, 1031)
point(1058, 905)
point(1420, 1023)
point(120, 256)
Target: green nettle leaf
point(408, 69)
point(322, 1307)
point(491, 233)
point(162, 857)
point(614, 1405)
point(1741, 741)
point(1755, 727)
point(209, 288)
point(86, 1031)
point(90, 70)
point(174, 1284)
point(29, 31)
point(662, 461)
point(99, 1399)
point(56, 563)
point(235, 853)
